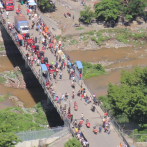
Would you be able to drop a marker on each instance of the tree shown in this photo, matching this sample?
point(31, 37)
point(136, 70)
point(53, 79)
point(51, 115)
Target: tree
point(87, 15)
point(45, 5)
point(8, 140)
point(130, 98)
point(107, 9)
point(72, 143)
point(132, 8)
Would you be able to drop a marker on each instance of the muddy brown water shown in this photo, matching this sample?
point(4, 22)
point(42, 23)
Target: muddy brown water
point(120, 58)
point(23, 94)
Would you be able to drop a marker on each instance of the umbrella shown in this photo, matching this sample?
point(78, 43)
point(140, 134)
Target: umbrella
point(32, 4)
point(1, 6)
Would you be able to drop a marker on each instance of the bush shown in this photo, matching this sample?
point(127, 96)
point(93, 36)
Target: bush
point(92, 70)
point(2, 79)
point(72, 143)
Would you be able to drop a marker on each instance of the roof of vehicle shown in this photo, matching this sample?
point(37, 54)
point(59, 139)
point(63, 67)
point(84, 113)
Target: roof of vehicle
point(43, 67)
point(20, 18)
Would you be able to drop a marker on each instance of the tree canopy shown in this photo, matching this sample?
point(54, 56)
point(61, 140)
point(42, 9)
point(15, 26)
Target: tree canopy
point(87, 15)
point(132, 8)
point(45, 5)
point(130, 98)
point(8, 140)
point(108, 9)
point(72, 143)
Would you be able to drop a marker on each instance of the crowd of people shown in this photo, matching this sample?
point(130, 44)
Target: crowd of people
point(49, 42)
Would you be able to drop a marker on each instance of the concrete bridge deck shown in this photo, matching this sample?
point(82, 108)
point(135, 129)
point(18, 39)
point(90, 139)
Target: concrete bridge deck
point(63, 86)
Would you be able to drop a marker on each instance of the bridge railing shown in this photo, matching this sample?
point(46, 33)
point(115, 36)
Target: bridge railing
point(36, 73)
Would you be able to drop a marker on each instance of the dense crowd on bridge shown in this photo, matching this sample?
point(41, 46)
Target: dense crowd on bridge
point(35, 57)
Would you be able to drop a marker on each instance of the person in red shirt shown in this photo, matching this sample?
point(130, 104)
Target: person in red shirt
point(105, 114)
point(28, 11)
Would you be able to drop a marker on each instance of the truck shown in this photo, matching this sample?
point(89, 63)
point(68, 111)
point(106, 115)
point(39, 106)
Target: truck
point(21, 24)
point(8, 4)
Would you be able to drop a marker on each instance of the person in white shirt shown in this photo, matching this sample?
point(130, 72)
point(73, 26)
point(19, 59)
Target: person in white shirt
point(7, 13)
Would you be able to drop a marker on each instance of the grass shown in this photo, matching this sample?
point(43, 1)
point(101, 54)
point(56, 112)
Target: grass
point(122, 35)
point(58, 37)
point(11, 75)
point(73, 41)
point(70, 37)
point(2, 79)
point(64, 39)
point(19, 72)
point(79, 28)
point(2, 49)
point(2, 98)
point(92, 70)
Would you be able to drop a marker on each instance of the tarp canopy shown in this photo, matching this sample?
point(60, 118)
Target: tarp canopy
point(30, 1)
point(1, 6)
point(19, 37)
point(32, 4)
point(43, 67)
point(79, 64)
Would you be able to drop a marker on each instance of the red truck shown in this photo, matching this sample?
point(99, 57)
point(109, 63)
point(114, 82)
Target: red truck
point(8, 4)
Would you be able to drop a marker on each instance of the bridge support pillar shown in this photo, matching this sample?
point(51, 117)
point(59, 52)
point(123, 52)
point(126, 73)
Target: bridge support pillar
point(48, 101)
point(26, 65)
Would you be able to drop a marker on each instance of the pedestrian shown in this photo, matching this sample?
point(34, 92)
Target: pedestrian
point(60, 74)
point(82, 116)
point(27, 11)
point(109, 130)
point(39, 38)
point(62, 97)
point(100, 129)
point(73, 18)
point(7, 13)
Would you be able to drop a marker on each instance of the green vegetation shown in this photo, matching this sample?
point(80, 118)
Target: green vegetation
point(8, 140)
point(2, 98)
point(45, 5)
point(92, 70)
point(122, 35)
point(64, 39)
point(73, 41)
point(79, 28)
point(19, 72)
point(11, 74)
point(72, 143)
point(2, 79)
point(140, 138)
point(107, 9)
point(2, 49)
point(87, 15)
point(129, 99)
point(14, 119)
point(58, 37)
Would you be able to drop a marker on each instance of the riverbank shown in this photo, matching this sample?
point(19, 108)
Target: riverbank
point(13, 78)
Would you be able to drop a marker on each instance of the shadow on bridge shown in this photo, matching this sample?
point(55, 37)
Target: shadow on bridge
point(32, 84)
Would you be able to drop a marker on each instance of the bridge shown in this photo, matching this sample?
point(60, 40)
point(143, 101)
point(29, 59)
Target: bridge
point(64, 85)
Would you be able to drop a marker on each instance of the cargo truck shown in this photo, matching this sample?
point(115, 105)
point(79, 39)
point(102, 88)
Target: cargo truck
point(8, 4)
point(21, 24)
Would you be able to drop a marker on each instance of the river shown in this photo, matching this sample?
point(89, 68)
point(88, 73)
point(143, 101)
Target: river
point(114, 60)
point(23, 94)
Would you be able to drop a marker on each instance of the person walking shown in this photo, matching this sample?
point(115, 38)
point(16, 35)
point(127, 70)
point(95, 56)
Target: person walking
point(73, 18)
point(60, 74)
point(7, 13)
point(39, 38)
point(82, 116)
point(100, 129)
